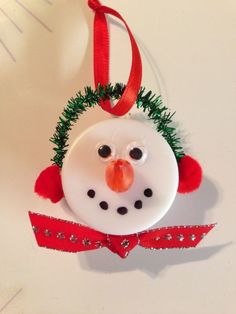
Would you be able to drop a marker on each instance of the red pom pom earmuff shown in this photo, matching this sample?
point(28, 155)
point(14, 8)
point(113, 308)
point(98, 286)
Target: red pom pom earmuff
point(48, 184)
point(190, 174)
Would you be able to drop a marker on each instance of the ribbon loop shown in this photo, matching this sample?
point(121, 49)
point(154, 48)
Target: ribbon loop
point(101, 60)
point(94, 4)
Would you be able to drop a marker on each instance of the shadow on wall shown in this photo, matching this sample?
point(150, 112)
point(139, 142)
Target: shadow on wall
point(153, 263)
point(187, 209)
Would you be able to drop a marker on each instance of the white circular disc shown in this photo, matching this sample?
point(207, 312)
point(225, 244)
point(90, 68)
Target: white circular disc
point(84, 170)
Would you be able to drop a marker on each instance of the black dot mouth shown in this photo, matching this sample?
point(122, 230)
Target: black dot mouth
point(91, 193)
point(122, 210)
point(103, 205)
point(148, 192)
point(138, 204)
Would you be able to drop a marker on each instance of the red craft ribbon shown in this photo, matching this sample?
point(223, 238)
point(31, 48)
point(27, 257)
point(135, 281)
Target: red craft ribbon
point(67, 236)
point(101, 60)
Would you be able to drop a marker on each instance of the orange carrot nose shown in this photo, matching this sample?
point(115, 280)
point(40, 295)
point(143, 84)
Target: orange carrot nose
point(119, 175)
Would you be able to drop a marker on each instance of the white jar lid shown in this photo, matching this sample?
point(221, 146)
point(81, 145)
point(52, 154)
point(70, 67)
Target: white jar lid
point(155, 177)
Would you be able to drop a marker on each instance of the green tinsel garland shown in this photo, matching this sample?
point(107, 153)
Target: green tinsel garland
point(148, 102)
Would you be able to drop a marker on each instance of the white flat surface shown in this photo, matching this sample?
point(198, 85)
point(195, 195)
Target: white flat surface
point(83, 170)
point(191, 46)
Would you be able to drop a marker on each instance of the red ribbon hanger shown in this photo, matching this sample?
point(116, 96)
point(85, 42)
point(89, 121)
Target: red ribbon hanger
point(72, 237)
point(101, 60)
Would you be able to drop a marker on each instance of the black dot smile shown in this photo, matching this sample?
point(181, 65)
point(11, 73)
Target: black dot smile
point(103, 205)
point(122, 210)
point(91, 193)
point(138, 204)
point(148, 192)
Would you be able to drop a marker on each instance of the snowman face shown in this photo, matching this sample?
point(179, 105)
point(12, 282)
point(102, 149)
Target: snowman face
point(120, 176)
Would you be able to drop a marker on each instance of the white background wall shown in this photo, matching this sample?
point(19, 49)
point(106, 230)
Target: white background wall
point(189, 55)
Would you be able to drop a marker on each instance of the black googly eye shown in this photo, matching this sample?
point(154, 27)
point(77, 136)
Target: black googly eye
point(136, 153)
point(104, 151)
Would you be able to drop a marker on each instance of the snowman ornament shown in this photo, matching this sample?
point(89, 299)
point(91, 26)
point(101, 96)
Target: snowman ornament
point(119, 177)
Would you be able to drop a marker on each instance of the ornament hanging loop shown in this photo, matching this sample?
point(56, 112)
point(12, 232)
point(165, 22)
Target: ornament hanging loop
point(101, 60)
point(94, 4)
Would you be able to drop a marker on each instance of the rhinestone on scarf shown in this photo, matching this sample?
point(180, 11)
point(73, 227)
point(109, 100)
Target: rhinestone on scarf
point(98, 244)
point(203, 235)
point(168, 236)
point(35, 229)
point(192, 237)
point(47, 233)
point(60, 236)
point(125, 243)
point(86, 242)
point(73, 238)
point(180, 237)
